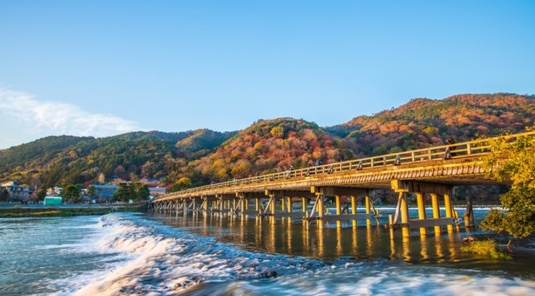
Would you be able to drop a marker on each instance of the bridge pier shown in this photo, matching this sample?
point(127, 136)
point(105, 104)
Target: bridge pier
point(339, 215)
point(402, 187)
point(289, 208)
point(320, 208)
point(286, 212)
point(244, 204)
point(469, 214)
point(449, 210)
point(436, 210)
point(421, 211)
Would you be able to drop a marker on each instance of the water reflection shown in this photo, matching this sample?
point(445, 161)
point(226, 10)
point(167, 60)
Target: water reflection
point(289, 238)
point(354, 244)
point(438, 248)
point(366, 241)
point(423, 248)
point(339, 250)
point(406, 249)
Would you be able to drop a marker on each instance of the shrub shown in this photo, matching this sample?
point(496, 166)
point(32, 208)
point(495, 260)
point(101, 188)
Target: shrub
point(485, 248)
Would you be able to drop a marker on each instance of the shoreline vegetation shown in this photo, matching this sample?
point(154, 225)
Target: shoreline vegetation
point(487, 247)
point(72, 210)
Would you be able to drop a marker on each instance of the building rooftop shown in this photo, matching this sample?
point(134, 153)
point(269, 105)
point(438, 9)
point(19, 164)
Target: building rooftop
point(105, 186)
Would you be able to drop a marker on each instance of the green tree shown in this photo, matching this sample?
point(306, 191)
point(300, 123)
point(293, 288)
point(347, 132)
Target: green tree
point(123, 193)
point(135, 191)
point(143, 192)
point(91, 192)
point(140, 191)
point(514, 161)
point(4, 194)
point(41, 193)
point(71, 193)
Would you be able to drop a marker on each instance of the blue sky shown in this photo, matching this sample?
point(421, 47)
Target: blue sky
point(102, 68)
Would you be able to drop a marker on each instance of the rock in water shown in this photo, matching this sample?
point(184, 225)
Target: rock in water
point(269, 274)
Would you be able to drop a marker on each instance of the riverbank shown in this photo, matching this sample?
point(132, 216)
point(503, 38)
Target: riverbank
point(70, 210)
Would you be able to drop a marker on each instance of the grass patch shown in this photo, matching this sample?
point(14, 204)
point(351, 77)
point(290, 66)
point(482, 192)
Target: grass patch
point(485, 248)
point(32, 214)
point(18, 211)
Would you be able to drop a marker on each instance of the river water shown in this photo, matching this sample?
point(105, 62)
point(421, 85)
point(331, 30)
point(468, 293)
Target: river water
point(145, 254)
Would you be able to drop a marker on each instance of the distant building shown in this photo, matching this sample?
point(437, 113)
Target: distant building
point(157, 191)
point(53, 191)
point(150, 182)
point(17, 193)
point(104, 193)
point(53, 201)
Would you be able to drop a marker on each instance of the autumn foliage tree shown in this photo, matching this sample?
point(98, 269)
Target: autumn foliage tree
point(514, 161)
point(181, 184)
point(271, 146)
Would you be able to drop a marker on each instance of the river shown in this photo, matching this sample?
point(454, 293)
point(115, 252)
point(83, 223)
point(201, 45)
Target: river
point(149, 254)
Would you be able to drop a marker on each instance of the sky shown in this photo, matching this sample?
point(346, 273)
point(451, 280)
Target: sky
point(101, 68)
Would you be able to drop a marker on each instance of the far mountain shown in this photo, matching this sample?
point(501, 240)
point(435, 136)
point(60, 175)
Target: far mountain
point(266, 146)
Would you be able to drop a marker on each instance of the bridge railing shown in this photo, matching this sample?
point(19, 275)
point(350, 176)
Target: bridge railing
point(451, 151)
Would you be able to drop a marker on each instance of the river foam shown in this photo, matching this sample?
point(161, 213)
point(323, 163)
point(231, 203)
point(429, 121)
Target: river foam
point(155, 259)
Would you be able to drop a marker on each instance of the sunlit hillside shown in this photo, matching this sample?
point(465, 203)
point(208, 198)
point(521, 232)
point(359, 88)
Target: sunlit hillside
point(266, 146)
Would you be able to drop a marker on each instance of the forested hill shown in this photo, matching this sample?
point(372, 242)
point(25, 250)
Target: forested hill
point(60, 160)
point(423, 122)
point(266, 146)
point(269, 146)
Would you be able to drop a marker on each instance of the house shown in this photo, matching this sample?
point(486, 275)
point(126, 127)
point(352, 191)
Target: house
point(17, 192)
point(104, 193)
point(53, 191)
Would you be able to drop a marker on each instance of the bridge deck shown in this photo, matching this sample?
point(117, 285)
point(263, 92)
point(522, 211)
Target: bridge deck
point(454, 164)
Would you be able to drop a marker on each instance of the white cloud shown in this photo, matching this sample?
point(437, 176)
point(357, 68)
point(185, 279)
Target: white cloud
point(30, 117)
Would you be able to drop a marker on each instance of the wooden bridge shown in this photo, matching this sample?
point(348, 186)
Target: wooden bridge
point(287, 195)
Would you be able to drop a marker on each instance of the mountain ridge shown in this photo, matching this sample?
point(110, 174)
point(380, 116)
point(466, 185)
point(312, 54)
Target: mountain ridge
point(265, 146)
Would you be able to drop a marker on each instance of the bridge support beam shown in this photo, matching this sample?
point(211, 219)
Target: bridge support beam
point(338, 210)
point(420, 188)
point(436, 210)
point(320, 208)
point(224, 202)
point(449, 210)
point(289, 208)
point(243, 206)
point(286, 208)
point(469, 214)
point(368, 208)
point(421, 211)
point(354, 209)
point(339, 215)
point(404, 215)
